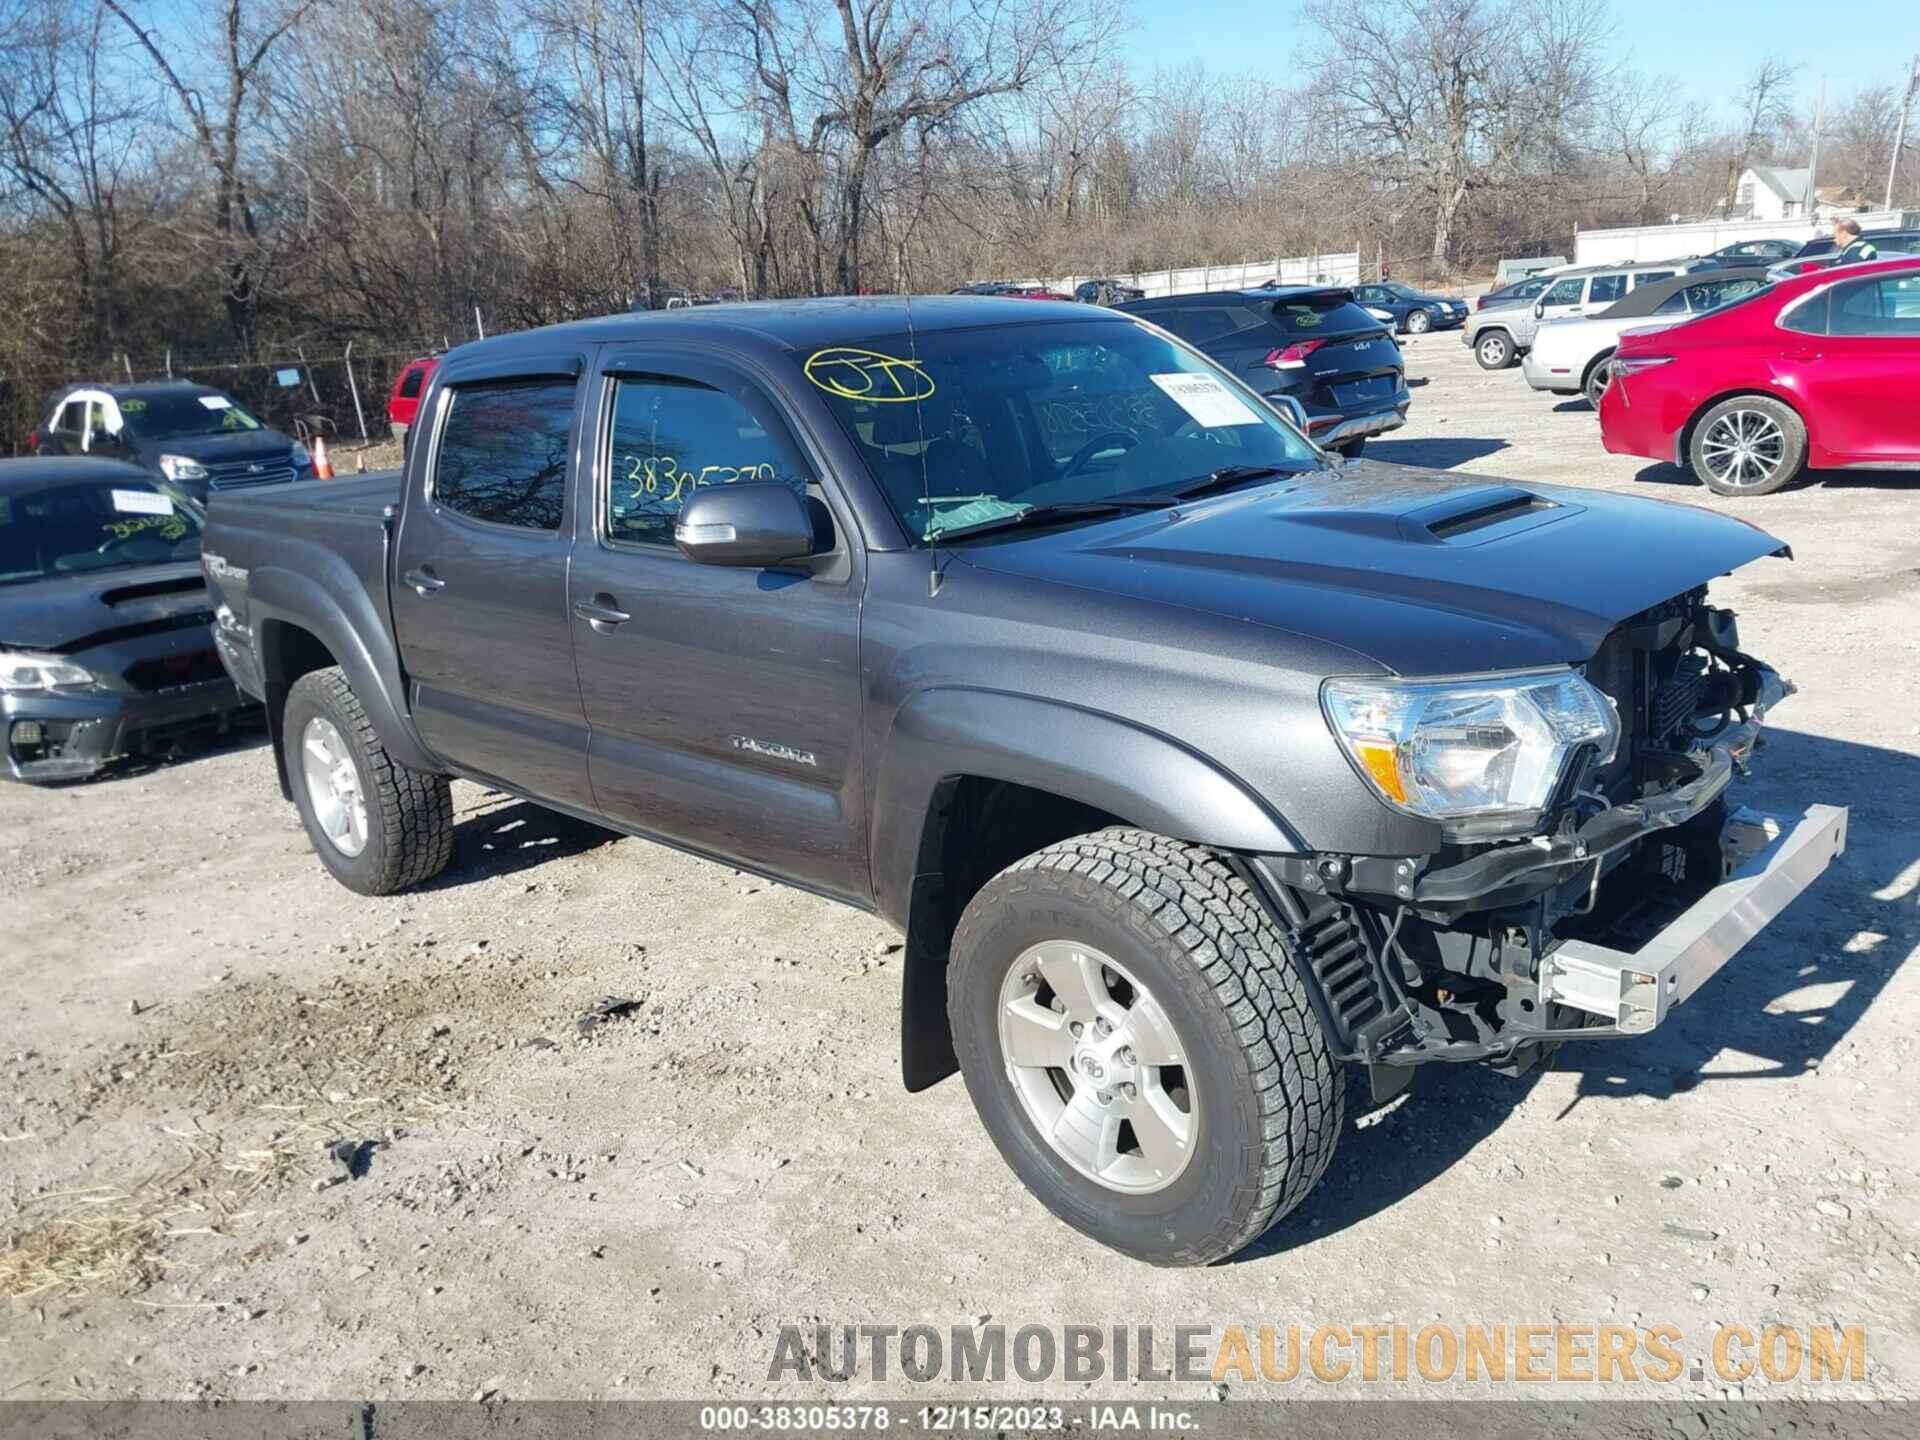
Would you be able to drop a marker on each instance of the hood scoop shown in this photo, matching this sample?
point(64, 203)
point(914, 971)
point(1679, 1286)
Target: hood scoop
point(1472, 517)
point(1476, 512)
point(177, 585)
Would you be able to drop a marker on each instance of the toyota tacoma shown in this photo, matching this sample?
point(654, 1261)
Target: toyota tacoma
point(1193, 764)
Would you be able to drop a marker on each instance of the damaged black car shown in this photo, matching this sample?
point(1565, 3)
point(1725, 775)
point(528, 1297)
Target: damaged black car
point(106, 641)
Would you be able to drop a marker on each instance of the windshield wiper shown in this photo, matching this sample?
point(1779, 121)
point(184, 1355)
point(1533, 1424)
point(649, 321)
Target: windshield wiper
point(1059, 510)
point(1225, 478)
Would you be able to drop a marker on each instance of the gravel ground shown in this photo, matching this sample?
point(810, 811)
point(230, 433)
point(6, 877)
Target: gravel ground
point(191, 1012)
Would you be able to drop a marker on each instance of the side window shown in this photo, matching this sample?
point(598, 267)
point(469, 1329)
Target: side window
point(71, 419)
point(1674, 304)
point(97, 431)
point(1213, 321)
point(1648, 277)
point(1607, 289)
point(1889, 307)
point(673, 436)
point(503, 452)
point(1810, 316)
point(410, 383)
point(1566, 292)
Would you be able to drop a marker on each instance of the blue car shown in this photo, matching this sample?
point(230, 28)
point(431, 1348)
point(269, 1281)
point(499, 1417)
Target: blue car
point(1413, 312)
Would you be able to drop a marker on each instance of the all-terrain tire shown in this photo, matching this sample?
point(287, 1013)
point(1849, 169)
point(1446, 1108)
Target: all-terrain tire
point(1493, 350)
point(409, 814)
point(1267, 1097)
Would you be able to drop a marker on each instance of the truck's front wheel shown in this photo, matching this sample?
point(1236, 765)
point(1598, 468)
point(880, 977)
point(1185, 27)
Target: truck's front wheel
point(378, 826)
point(1140, 1047)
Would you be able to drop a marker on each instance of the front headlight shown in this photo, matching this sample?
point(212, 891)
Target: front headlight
point(21, 672)
point(180, 467)
point(1483, 757)
point(302, 457)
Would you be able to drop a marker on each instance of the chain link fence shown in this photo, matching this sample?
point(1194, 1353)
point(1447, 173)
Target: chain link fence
point(340, 395)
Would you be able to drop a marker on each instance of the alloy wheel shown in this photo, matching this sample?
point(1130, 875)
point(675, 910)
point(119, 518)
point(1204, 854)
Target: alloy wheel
point(1419, 322)
point(1743, 449)
point(1098, 1067)
point(333, 786)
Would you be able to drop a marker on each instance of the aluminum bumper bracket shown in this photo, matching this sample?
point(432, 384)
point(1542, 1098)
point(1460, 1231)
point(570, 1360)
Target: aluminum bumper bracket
point(1775, 859)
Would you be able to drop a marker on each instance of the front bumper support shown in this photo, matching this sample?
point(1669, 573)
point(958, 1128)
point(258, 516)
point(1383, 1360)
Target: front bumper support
point(1632, 992)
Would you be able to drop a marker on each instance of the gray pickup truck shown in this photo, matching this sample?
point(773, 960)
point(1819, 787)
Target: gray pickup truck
point(1191, 762)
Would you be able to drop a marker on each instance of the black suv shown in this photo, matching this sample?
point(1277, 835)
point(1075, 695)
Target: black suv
point(1309, 344)
point(196, 437)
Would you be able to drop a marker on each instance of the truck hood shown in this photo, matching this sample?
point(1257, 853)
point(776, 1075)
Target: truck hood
point(1423, 572)
point(71, 613)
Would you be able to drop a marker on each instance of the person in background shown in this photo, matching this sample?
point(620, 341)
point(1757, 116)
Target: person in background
point(1853, 249)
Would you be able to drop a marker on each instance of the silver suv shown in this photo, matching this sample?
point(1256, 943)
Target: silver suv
point(1500, 337)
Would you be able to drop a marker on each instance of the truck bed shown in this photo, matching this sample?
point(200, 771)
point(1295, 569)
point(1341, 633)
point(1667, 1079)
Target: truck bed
point(313, 554)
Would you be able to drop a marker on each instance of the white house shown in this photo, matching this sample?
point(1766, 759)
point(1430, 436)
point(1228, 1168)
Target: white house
point(1767, 192)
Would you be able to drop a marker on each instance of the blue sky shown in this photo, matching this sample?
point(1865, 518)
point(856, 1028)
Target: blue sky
point(1709, 47)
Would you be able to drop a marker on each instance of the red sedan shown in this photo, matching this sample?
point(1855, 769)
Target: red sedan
point(1820, 370)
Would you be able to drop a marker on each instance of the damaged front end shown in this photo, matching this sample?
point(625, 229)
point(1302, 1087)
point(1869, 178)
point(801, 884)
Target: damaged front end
point(1582, 899)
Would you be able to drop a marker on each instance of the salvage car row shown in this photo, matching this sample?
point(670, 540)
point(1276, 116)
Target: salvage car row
point(1746, 376)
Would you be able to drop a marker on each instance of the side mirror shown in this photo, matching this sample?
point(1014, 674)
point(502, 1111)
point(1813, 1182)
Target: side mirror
point(1540, 307)
point(759, 523)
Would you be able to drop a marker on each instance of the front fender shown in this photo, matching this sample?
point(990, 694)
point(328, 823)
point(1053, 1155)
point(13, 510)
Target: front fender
point(1141, 776)
point(343, 622)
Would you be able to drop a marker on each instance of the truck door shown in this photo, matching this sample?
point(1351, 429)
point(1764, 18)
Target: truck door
point(480, 577)
point(724, 703)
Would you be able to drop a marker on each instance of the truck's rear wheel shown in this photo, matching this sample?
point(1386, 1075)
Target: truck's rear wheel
point(1140, 1047)
point(378, 826)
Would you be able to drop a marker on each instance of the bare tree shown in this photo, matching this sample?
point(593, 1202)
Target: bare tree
point(1446, 99)
point(69, 140)
point(1766, 103)
point(216, 123)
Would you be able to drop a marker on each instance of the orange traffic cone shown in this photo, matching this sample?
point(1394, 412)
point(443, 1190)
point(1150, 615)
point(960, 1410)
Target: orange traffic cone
point(322, 466)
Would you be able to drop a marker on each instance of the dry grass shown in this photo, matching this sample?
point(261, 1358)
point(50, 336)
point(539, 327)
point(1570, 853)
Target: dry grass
point(112, 1240)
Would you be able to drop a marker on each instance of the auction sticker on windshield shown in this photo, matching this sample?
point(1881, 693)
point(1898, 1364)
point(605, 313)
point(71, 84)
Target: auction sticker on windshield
point(216, 402)
point(1204, 398)
point(141, 502)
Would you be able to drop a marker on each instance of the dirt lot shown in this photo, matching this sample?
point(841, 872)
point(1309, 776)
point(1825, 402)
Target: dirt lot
point(191, 1012)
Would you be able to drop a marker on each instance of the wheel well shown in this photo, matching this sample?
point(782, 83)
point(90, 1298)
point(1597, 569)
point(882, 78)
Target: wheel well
point(1485, 330)
point(286, 653)
point(974, 829)
point(1684, 446)
point(1594, 364)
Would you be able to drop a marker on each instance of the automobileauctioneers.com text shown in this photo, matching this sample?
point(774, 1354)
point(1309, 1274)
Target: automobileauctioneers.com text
point(1327, 1354)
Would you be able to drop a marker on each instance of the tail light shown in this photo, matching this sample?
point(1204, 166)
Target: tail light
point(33, 441)
point(1479, 302)
point(1634, 364)
point(1294, 357)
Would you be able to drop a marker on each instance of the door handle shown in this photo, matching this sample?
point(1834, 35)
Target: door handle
point(424, 581)
point(601, 612)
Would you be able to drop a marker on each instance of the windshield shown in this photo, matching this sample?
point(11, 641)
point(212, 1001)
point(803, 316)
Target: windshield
point(972, 426)
point(164, 417)
point(105, 525)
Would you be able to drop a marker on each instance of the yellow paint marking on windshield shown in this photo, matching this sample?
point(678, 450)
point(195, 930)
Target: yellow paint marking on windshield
point(867, 375)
